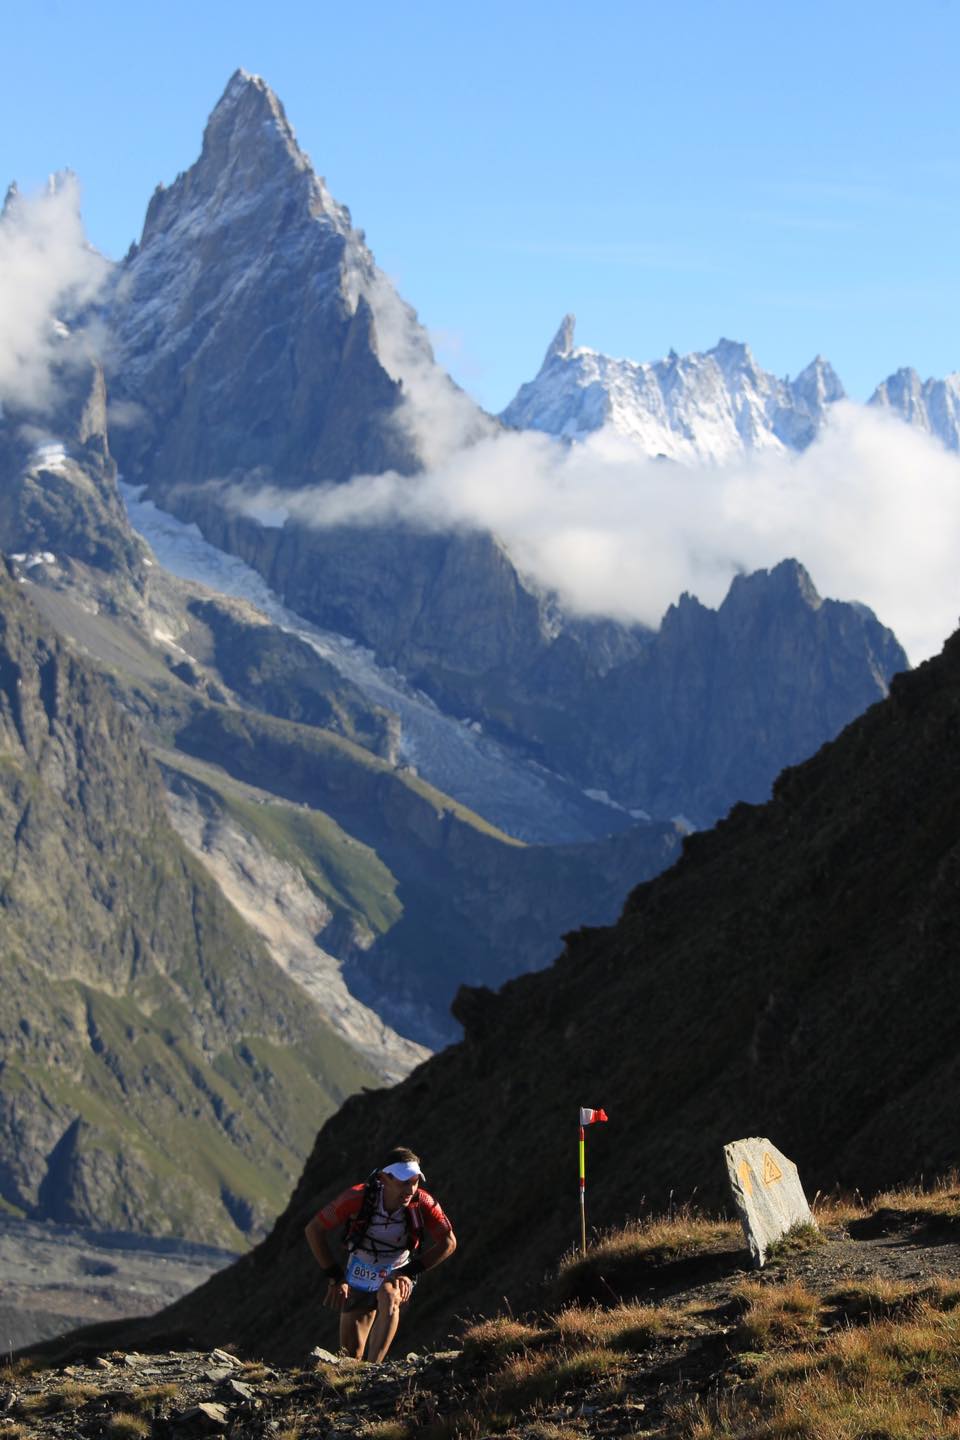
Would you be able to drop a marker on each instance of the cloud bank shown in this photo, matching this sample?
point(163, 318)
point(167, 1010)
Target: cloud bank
point(872, 509)
point(47, 270)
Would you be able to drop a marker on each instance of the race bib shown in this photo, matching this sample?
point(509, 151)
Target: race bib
point(365, 1277)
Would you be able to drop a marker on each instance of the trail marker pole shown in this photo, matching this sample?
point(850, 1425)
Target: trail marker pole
point(583, 1195)
point(587, 1117)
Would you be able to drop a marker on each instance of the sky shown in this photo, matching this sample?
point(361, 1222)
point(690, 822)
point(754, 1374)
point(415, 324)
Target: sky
point(788, 178)
point(784, 175)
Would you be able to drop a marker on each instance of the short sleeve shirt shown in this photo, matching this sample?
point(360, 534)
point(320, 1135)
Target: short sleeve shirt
point(386, 1234)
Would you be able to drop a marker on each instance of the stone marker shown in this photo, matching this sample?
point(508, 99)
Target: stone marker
point(767, 1193)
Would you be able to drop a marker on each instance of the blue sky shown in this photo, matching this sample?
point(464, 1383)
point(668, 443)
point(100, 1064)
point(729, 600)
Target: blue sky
point(782, 175)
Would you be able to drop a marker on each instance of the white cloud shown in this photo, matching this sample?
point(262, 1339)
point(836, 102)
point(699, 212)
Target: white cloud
point(872, 510)
point(438, 416)
point(47, 270)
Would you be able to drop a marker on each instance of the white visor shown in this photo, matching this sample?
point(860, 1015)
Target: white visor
point(404, 1170)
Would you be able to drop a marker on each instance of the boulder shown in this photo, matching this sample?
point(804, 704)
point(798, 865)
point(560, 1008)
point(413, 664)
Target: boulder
point(767, 1193)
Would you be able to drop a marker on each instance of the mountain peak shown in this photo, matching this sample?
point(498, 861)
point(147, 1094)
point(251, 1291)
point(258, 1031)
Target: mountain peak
point(250, 160)
point(733, 354)
point(245, 89)
point(562, 343)
point(248, 115)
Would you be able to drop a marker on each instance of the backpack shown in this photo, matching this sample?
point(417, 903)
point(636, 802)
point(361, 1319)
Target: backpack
point(357, 1227)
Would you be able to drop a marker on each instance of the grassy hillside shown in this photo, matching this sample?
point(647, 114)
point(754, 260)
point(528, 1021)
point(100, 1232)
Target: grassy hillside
point(160, 1073)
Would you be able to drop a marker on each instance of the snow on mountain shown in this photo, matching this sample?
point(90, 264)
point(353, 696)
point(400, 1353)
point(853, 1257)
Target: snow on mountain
point(931, 405)
point(196, 221)
point(710, 407)
point(523, 798)
point(253, 336)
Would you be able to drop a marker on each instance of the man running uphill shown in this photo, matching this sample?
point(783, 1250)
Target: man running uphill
point(393, 1231)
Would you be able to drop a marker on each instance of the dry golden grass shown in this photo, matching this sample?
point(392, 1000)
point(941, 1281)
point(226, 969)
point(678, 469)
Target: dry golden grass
point(622, 1327)
point(658, 1239)
point(547, 1430)
point(776, 1314)
point(941, 1202)
point(497, 1339)
point(619, 1261)
point(122, 1426)
point(253, 1370)
point(885, 1380)
point(346, 1377)
point(61, 1398)
point(11, 1369)
point(875, 1297)
point(835, 1212)
point(528, 1380)
point(387, 1430)
point(151, 1396)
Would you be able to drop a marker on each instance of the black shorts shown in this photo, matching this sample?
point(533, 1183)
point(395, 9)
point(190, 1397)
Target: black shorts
point(360, 1301)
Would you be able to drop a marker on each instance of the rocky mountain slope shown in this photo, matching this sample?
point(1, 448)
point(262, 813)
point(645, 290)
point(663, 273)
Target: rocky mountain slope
point(346, 384)
point(248, 268)
point(58, 495)
point(791, 975)
point(160, 1072)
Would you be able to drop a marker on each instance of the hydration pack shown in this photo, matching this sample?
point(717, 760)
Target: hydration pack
point(357, 1228)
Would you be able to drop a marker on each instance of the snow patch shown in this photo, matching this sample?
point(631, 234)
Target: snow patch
point(512, 792)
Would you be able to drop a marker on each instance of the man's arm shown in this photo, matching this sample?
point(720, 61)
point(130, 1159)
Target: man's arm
point(317, 1239)
point(442, 1248)
point(439, 1245)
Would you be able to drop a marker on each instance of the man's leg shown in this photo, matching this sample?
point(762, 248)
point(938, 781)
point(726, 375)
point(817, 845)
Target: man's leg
point(386, 1321)
point(354, 1329)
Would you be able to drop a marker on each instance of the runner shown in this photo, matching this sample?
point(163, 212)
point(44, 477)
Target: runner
point(393, 1231)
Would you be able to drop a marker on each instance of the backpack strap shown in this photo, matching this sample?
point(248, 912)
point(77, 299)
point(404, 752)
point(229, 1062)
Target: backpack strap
point(356, 1230)
point(358, 1226)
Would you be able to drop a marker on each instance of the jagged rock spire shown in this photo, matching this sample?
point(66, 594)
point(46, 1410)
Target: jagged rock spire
point(562, 343)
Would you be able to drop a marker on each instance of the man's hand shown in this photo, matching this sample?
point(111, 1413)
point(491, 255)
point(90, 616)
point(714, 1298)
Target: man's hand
point(336, 1296)
point(404, 1287)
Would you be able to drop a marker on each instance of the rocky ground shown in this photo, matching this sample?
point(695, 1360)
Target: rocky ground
point(496, 1381)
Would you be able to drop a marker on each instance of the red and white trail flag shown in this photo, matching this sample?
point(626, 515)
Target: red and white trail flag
point(591, 1117)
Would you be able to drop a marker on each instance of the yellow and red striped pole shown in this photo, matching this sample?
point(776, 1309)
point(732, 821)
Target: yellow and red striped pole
point(583, 1193)
point(587, 1117)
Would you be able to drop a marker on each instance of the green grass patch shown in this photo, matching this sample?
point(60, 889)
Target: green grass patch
point(341, 870)
point(805, 1235)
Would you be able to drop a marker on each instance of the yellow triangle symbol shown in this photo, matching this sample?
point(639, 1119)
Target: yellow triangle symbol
point(771, 1170)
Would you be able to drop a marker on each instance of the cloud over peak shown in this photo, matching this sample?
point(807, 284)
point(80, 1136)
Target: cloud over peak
point(48, 271)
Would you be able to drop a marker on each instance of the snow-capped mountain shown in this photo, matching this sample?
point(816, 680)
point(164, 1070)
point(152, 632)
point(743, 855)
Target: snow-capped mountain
point(253, 335)
point(710, 407)
point(931, 405)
